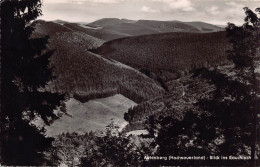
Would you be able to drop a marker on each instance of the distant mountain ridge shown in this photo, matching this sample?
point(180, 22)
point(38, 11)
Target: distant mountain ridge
point(158, 26)
point(113, 28)
point(205, 26)
point(110, 22)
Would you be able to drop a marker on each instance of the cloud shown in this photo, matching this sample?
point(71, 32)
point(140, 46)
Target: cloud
point(149, 9)
point(234, 9)
point(184, 5)
point(214, 10)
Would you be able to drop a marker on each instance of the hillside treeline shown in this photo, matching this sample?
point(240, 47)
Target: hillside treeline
point(78, 70)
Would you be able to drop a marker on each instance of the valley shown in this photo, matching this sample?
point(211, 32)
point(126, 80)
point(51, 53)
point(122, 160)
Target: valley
point(148, 62)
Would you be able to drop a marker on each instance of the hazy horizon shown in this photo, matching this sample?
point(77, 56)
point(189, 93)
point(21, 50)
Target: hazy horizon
point(126, 19)
point(215, 12)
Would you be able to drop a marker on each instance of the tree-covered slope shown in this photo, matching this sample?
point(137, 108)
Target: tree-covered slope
point(82, 72)
point(168, 51)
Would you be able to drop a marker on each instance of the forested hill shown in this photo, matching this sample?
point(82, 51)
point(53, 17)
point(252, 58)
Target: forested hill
point(168, 51)
point(170, 59)
point(91, 76)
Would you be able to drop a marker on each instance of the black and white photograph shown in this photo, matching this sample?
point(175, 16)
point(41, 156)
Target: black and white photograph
point(130, 83)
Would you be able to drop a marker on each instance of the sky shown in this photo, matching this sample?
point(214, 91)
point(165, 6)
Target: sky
point(218, 12)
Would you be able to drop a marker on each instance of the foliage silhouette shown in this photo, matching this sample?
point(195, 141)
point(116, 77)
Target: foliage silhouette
point(24, 71)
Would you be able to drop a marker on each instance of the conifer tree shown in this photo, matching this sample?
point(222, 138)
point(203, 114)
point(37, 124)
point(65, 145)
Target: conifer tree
point(25, 72)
